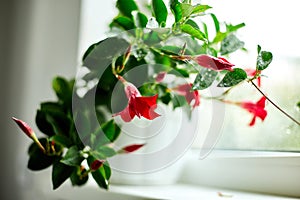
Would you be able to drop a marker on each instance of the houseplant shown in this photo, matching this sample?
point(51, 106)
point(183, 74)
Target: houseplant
point(184, 52)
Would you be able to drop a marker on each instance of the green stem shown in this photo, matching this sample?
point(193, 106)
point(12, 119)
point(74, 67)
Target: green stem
point(276, 106)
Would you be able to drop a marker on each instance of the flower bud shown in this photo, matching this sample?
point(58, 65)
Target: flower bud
point(131, 148)
point(29, 132)
point(96, 164)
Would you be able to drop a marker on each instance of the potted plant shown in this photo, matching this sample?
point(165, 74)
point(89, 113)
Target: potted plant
point(126, 77)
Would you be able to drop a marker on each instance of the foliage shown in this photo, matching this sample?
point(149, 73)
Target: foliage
point(71, 138)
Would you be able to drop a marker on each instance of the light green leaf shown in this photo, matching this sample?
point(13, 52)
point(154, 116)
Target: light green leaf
point(198, 9)
point(187, 28)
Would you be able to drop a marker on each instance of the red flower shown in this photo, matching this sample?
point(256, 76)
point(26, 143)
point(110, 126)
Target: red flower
point(189, 94)
point(257, 109)
point(213, 63)
point(131, 148)
point(137, 104)
point(96, 164)
point(253, 72)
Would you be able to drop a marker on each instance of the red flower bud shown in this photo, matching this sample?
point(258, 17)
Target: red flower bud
point(131, 148)
point(29, 132)
point(24, 127)
point(96, 164)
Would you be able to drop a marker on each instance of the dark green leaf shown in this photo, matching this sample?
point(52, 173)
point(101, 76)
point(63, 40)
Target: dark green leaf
point(204, 79)
point(264, 58)
point(140, 20)
point(99, 55)
point(198, 9)
point(216, 22)
point(107, 133)
point(193, 31)
point(258, 49)
point(61, 140)
point(37, 159)
point(233, 78)
point(160, 12)
point(230, 44)
point(176, 10)
point(43, 124)
point(62, 89)
point(124, 22)
point(73, 157)
point(178, 101)
point(126, 7)
point(101, 175)
point(60, 173)
point(298, 105)
point(77, 179)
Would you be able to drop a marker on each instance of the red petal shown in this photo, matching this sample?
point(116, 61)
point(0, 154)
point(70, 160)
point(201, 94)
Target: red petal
point(261, 102)
point(213, 63)
point(132, 148)
point(145, 106)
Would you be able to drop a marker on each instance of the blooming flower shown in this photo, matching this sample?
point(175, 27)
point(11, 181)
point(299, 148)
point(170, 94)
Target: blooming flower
point(213, 63)
point(137, 104)
point(189, 94)
point(131, 148)
point(96, 164)
point(254, 72)
point(28, 131)
point(257, 109)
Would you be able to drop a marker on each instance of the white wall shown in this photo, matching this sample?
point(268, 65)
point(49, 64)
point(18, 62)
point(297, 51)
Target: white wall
point(39, 40)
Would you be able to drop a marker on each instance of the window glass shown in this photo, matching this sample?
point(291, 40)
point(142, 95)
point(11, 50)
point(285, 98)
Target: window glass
point(273, 25)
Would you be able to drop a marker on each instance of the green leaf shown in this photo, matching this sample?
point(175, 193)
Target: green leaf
point(204, 79)
point(298, 105)
point(62, 89)
point(60, 173)
point(160, 12)
point(192, 23)
point(140, 20)
point(61, 140)
point(219, 37)
point(216, 22)
point(230, 44)
point(198, 9)
point(107, 151)
point(193, 31)
point(178, 101)
point(124, 22)
point(101, 175)
point(83, 124)
point(107, 133)
point(43, 124)
point(233, 78)
point(37, 159)
point(77, 179)
point(73, 157)
point(186, 9)
point(176, 10)
point(232, 28)
point(126, 7)
point(258, 49)
point(264, 58)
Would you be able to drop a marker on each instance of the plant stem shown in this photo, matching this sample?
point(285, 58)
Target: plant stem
point(276, 106)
